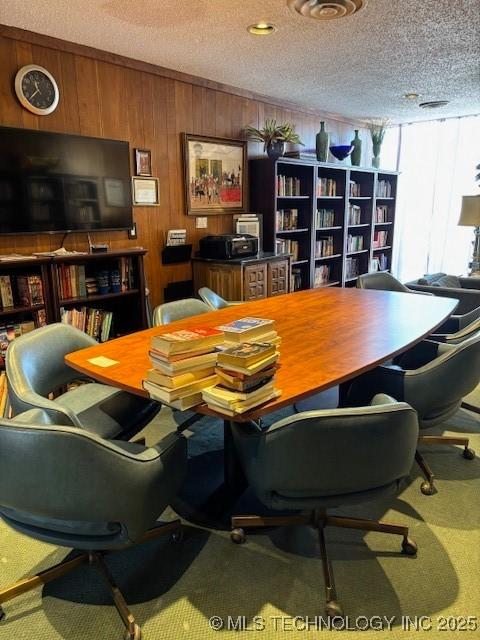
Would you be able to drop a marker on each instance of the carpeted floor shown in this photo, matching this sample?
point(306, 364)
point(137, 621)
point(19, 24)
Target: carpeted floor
point(174, 589)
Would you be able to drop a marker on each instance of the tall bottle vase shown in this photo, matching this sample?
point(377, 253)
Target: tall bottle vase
point(356, 155)
point(376, 156)
point(321, 143)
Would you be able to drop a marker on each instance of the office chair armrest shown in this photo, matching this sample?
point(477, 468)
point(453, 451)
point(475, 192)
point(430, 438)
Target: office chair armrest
point(456, 337)
point(469, 282)
point(422, 293)
point(58, 414)
point(418, 355)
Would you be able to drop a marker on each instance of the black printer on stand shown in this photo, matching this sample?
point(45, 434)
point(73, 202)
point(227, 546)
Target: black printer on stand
point(228, 246)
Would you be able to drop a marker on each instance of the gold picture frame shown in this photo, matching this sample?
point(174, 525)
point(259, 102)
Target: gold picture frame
point(145, 191)
point(215, 175)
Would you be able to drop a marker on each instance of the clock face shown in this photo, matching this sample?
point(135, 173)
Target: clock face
point(36, 89)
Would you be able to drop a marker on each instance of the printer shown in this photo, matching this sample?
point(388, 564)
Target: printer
point(228, 246)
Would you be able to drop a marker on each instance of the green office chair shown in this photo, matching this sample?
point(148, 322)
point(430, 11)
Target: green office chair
point(69, 487)
point(177, 310)
point(35, 367)
point(381, 280)
point(318, 460)
point(433, 378)
point(213, 300)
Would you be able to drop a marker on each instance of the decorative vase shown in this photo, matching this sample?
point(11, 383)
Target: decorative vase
point(275, 150)
point(376, 155)
point(322, 143)
point(356, 156)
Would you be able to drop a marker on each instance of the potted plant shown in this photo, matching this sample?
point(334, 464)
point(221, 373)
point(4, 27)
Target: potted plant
point(377, 132)
point(274, 136)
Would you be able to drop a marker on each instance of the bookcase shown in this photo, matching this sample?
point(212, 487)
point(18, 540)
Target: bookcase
point(337, 221)
point(101, 293)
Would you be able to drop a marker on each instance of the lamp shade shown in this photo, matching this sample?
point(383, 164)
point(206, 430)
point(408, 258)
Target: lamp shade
point(470, 213)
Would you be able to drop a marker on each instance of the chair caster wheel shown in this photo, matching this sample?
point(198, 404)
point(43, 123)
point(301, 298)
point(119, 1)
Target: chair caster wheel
point(409, 547)
point(468, 454)
point(427, 488)
point(238, 536)
point(333, 609)
point(2, 613)
point(137, 634)
point(177, 536)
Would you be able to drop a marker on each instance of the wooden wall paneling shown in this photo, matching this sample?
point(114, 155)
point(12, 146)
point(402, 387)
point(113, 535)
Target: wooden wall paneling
point(10, 113)
point(69, 94)
point(50, 59)
point(88, 99)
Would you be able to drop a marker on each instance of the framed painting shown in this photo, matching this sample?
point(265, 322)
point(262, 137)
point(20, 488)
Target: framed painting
point(215, 174)
point(143, 162)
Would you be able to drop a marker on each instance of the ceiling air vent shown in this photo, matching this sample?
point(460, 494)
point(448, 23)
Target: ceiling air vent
point(326, 10)
point(433, 104)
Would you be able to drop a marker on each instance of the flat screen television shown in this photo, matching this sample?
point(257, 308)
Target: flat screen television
point(53, 182)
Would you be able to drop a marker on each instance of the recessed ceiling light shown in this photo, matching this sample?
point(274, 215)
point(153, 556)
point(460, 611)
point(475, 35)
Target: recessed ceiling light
point(433, 104)
point(411, 96)
point(261, 29)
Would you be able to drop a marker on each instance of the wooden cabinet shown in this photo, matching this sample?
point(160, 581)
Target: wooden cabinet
point(244, 279)
point(278, 278)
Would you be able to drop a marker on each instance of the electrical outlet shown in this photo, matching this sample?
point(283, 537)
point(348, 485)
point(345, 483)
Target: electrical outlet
point(201, 223)
point(132, 233)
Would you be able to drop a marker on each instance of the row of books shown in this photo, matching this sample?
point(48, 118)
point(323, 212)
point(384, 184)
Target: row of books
point(288, 186)
point(10, 332)
point(326, 187)
point(322, 275)
point(380, 239)
point(355, 189)
point(296, 279)
point(218, 366)
point(354, 243)
point(74, 283)
point(352, 268)
point(97, 323)
point(324, 247)
point(354, 214)
point(379, 262)
point(284, 245)
point(324, 218)
point(384, 189)
point(381, 213)
point(287, 219)
point(21, 290)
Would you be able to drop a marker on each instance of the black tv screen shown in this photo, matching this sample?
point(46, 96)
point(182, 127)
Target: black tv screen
point(52, 182)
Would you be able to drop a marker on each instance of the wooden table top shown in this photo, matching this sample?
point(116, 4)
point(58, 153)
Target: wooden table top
point(328, 337)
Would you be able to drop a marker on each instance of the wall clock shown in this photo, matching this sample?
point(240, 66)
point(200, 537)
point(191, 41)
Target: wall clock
point(36, 89)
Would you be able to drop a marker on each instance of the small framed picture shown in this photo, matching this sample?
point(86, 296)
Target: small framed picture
point(143, 162)
point(145, 191)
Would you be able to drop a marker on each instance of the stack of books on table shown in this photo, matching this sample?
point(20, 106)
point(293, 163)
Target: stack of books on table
point(183, 364)
point(246, 369)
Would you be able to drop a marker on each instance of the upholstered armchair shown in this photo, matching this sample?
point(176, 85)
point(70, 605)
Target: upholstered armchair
point(69, 487)
point(318, 460)
point(177, 310)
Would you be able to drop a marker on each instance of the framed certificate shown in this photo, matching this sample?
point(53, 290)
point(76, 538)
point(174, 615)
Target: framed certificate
point(145, 191)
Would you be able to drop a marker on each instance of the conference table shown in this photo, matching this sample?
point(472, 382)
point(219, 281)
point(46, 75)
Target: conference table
point(329, 336)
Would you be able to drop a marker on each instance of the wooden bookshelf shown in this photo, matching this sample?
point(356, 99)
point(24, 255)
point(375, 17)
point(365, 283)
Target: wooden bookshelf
point(372, 188)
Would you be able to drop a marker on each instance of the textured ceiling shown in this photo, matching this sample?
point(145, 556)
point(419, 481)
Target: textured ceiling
point(359, 66)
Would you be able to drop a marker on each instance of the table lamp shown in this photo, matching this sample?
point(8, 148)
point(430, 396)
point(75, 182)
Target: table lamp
point(470, 217)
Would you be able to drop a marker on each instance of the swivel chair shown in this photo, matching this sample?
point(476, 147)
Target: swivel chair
point(213, 300)
point(72, 488)
point(433, 378)
point(177, 310)
point(35, 367)
point(381, 280)
point(318, 460)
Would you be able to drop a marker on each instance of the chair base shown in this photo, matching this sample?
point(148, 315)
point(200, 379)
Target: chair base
point(427, 487)
point(132, 630)
point(319, 520)
point(470, 407)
